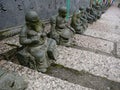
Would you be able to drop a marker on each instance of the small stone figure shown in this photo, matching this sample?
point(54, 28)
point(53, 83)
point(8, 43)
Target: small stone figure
point(83, 17)
point(76, 23)
point(97, 9)
point(11, 81)
point(93, 12)
point(60, 30)
point(38, 51)
point(90, 17)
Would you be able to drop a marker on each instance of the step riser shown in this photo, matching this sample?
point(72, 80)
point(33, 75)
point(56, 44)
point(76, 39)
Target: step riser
point(99, 65)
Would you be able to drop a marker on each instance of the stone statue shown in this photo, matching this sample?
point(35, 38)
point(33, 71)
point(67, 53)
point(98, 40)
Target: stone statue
point(90, 17)
point(93, 12)
point(11, 81)
point(38, 51)
point(83, 17)
point(60, 30)
point(97, 9)
point(76, 23)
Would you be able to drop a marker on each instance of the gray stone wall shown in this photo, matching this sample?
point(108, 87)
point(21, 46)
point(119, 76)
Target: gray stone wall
point(12, 11)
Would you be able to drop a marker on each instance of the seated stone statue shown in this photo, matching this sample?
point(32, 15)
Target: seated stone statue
point(93, 12)
point(76, 23)
point(83, 17)
point(60, 30)
point(11, 81)
point(83, 13)
point(96, 7)
point(38, 51)
point(90, 17)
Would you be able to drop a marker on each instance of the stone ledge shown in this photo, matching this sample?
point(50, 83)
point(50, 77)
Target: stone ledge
point(99, 65)
point(39, 81)
point(94, 44)
point(11, 40)
point(103, 35)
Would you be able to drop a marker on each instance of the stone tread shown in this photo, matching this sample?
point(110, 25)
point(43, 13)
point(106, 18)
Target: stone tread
point(39, 81)
point(94, 44)
point(11, 40)
point(99, 65)
point(103, 35)
point(108, 26)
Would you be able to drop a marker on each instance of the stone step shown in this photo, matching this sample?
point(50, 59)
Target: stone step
point(94, 44)
point(11, 40)
point(83, 42)
point(107, 27)
point(96, 64)
point(109, 22)
point(39, 81)
point(103, 35)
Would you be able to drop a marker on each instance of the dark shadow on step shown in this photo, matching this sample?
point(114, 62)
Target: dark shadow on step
point(82, 78)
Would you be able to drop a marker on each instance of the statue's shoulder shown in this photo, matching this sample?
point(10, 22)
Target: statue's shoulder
point(53, 19)
point(23, 30)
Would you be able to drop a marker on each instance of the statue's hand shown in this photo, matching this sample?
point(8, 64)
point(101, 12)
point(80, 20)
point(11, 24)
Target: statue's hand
point(35, 42)
point(43, 34)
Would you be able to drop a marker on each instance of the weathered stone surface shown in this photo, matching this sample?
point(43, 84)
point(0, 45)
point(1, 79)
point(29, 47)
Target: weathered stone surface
point(94, 44)
point(11, 81)
point(39, 81)
point(12, 12)
point(100, 65)
point(103, 35)
point(12, 40)
point(108, 27)
point(109, 21)
point(9, 32)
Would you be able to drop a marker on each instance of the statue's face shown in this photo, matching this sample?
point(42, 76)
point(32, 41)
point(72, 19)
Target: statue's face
point(33, 25)
point(63, 14)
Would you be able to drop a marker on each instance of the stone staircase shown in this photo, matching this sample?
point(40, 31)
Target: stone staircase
point(93, 63)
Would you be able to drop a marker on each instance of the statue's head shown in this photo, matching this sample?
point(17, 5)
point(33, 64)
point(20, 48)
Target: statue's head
point(93, 5)
point(81, 8)
point(32, 18)
point(63, 11)
point(88, 9)
point(78, 14)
